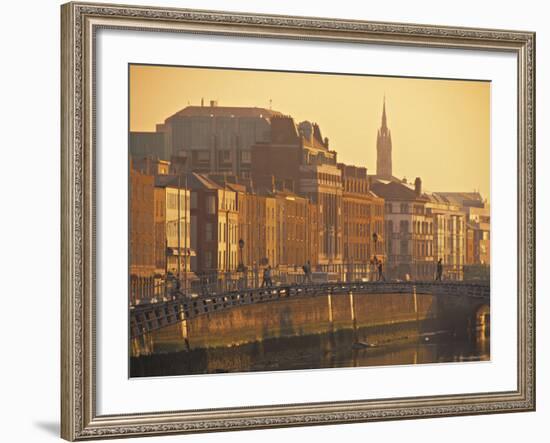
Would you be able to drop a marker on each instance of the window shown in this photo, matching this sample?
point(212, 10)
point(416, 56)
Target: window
point(404, 226)
point(404, 247)
point(404, 208)
point(246, 157)
point(172, 201)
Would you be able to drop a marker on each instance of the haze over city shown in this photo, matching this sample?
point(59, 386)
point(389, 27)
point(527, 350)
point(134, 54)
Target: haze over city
point(440, 128)
point(270, 207)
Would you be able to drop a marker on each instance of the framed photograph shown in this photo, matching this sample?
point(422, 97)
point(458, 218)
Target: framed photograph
point(282, 221)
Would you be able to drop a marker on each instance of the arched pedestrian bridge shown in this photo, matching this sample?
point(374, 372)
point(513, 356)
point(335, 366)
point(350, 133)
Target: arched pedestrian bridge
point(455, 299)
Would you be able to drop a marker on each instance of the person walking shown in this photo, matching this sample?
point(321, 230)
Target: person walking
point(307, 272)
point(267, 282)
point(380, 272)
point(439, 272)
point(265, 277)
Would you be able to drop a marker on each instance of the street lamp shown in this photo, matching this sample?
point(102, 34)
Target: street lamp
point(241, 267)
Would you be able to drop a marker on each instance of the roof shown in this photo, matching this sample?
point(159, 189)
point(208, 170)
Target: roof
point(224, 111)
point(200, 181)
point(385, 179)
point(396, 191)
point(436, 198)
point(461, 198)
point(234, 182)
point(190, 181)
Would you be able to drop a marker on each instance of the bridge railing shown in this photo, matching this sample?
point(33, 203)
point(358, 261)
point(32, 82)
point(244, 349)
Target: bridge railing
point(205, 284)
point(148, 317)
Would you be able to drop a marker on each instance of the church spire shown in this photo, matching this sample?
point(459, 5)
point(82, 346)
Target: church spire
point(384, 120)
point(384, 147)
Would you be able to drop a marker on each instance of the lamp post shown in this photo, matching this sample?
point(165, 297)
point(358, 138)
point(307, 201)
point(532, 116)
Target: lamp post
point(240, 268)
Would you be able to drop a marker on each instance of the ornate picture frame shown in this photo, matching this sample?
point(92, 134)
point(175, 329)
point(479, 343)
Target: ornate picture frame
point(80, 22)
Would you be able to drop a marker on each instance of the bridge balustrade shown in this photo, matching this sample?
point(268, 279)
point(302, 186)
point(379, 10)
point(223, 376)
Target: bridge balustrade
point(147, 317)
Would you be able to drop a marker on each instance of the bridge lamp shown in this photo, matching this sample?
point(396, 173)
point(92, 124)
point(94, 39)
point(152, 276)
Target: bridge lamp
point(241, 246)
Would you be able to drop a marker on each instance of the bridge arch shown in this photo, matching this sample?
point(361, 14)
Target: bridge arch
point(482, 316)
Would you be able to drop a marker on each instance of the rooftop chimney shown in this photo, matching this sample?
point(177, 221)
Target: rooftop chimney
point(202, 102)
point(213, 103)
point(418, 186)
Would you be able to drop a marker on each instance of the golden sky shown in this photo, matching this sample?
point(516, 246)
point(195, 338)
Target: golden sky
point(440, 128)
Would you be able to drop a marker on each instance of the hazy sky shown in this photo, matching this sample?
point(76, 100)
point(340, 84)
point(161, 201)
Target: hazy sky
point(440, 128)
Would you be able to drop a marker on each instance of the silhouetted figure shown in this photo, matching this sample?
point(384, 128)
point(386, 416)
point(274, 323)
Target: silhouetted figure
point(307, 272)
point(267, 281)
point(374, 267)
point(439, 272)
point(380, 272)
point(204, 285)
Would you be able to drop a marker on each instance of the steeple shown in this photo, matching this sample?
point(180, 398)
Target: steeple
point(384, 147)
point(384, 120)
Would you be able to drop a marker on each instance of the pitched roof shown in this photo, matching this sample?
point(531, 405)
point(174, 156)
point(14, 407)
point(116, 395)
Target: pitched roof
point(461, 198)
point(396, 191)
point(192, 180)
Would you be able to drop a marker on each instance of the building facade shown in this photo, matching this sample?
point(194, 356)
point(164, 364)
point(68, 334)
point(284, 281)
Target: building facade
point(216, 139)
point(148, 144)
point(173, 228)
point(409, 230)
point(298, 159)
point(297, 225)
point(142, 237)
point(477, 217)
point(449, 237)
point(214, 227)
point(363, 224)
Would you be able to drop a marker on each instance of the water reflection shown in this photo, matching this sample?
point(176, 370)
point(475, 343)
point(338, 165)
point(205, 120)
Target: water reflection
point(412, 344)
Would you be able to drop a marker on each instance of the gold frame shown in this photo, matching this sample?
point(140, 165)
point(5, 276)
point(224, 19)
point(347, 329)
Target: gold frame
point(79, 420)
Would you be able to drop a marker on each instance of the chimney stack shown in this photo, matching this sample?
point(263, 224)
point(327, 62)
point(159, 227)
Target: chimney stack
point(418, 186)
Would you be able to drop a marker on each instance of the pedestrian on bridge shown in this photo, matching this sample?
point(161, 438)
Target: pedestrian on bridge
point(380, 272)
point(307, 272)
point(439, 272)
point(267, 281)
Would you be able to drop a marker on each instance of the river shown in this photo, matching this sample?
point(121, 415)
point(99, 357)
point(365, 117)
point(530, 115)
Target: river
point(343, 348)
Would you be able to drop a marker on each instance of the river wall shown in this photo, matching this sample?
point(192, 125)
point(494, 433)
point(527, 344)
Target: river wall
point(381, 316)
